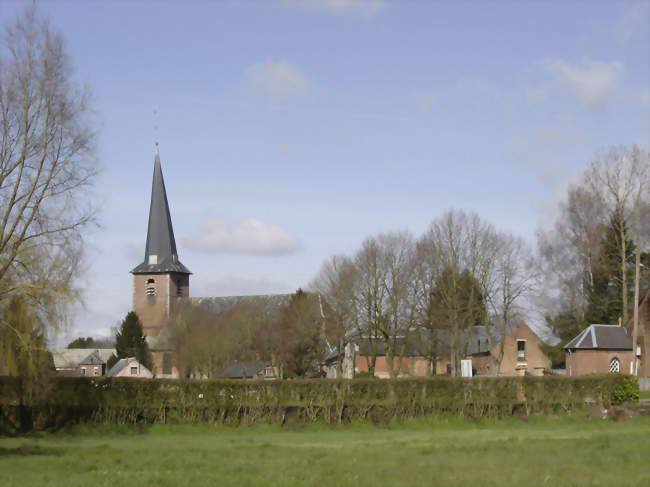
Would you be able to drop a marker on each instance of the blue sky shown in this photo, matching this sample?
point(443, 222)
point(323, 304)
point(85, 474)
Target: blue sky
point(291, 129)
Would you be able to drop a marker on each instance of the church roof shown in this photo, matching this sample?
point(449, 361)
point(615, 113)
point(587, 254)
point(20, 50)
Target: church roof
point(160, 252)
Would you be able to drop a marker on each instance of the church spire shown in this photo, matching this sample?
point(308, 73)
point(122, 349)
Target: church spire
point(160, 253)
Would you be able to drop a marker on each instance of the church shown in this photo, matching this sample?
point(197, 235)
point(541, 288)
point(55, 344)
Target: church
point(161, 283)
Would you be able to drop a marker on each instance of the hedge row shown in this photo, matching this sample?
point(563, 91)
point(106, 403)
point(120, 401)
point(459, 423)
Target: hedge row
point(124, 401)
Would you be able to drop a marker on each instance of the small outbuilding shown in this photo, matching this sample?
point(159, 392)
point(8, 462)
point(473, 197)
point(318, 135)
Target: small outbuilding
point(129, 367)
point(599, 348)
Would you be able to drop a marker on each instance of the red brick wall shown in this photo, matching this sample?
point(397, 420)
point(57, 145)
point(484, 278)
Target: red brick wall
point(154, 311)
point(589, 361)
point(536, 361)
point(90, 370)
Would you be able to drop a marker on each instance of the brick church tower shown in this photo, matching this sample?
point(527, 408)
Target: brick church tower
point(160, 282)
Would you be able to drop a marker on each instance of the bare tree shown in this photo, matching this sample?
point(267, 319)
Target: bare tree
point(602, 211)
point(462, 248)
point(46, 169)
point(618, 178)
point(371, 296)
point(516, 278)
point(336, 285)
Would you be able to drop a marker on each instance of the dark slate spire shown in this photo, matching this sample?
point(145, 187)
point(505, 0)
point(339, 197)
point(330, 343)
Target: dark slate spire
point(160, 253)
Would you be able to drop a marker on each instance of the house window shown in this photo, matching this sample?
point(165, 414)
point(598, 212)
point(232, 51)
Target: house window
point(179, 289)
point(83, 370)
point(151, 287)
point(268, 372)
point(134, 370)
point(167, 363)
point(615, 365)
point(96, 371)
point(521, 350)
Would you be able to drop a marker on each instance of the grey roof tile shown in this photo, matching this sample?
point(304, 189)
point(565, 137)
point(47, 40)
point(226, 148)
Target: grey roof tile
point(601, 337)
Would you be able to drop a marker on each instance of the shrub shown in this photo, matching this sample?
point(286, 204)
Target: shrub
point(131, 401)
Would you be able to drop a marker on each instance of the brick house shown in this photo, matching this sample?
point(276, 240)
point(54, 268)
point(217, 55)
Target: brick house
point(519, 348)
point(81, 362)
point(251, 369)
point(599, 348)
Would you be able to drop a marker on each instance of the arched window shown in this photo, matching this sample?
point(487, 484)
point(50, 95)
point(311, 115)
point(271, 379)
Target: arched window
point(151, 287)
point(615, 365)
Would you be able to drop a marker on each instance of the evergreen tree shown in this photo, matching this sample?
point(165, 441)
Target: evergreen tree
point(81, 342)
point(456, 304)
point(130, 340)
point(605, 295)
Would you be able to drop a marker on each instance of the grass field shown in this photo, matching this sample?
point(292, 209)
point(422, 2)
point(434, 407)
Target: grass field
point(540, 451)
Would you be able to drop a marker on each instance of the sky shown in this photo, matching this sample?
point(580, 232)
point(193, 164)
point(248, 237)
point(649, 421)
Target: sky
point(290, 130)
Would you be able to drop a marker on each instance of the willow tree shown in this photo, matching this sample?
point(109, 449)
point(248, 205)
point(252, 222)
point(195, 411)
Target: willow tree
point(46, 169)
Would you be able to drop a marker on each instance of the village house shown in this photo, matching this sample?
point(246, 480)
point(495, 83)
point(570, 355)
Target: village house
point(81, 362)
point(251, 369)
point(519, 350)
point(599, 348)
point(129, 367)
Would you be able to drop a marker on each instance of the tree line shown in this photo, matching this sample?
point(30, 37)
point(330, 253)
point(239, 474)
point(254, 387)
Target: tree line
point(590, 267)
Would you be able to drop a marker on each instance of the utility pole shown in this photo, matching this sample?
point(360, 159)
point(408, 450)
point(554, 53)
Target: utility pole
point(635, 325)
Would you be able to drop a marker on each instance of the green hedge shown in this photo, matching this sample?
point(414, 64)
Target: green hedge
point(127, 401)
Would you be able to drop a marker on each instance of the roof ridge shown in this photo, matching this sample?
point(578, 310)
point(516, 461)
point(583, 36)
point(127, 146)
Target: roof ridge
point(582, 336)
point(593, 336)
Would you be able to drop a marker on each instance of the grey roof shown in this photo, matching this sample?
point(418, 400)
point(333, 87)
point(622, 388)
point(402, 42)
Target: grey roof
point(244, 370)
point(270, 304)
point(93, 359)
point(415, 345)
point(160, 252)
point(69, 358)
point(601, 337)
point(480, 338)
point(121, 364)
point(117, 367)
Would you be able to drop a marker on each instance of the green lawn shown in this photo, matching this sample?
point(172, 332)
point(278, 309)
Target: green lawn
point(542, 451)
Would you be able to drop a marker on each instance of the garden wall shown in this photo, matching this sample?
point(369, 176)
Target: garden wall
point(67, 400)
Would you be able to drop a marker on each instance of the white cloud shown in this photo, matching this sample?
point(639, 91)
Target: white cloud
point(634, 20)
point(592, 84)
point(249, 236)
point(361, 7)
point(278, 80)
